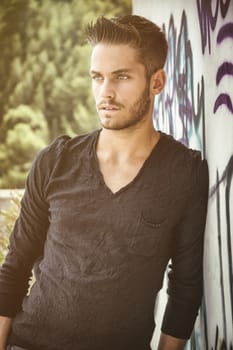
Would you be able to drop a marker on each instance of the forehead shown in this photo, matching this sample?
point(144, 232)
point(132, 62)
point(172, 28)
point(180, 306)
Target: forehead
point(109, 57)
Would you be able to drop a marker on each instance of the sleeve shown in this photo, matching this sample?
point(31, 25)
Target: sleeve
point(29, 233)
point(185, 277)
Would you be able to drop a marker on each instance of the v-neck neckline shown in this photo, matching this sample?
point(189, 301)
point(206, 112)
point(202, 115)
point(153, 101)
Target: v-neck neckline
point(153, 152)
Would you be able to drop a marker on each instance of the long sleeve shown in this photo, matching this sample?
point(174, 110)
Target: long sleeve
point(29, 233)
point(185, 277)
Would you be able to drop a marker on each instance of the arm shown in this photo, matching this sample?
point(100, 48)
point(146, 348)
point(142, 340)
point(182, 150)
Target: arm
point(168, 342)
point(5, 325)
point(25, 246)
point(29, 233)
point(185, 277)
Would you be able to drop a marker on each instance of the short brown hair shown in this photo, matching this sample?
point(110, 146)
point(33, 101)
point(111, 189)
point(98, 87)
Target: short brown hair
point(136, 31)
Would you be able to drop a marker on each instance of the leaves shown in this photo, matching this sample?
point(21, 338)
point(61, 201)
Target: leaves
point(24, 131)
point(7, 221)
point(44, 82)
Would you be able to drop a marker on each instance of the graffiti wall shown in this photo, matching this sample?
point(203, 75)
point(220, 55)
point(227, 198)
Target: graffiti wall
point(197, 108)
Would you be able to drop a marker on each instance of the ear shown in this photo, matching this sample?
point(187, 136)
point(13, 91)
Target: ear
point(158, 81)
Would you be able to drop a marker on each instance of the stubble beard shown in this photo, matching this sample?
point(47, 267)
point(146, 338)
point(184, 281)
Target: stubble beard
point(137, 113)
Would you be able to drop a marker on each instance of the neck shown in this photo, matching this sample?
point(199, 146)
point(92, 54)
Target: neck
point(127, 142)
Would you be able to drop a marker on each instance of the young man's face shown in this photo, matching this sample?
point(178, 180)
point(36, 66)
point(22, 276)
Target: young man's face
point(120, 88)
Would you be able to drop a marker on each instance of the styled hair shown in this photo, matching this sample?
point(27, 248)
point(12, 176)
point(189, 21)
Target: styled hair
point(136, 31)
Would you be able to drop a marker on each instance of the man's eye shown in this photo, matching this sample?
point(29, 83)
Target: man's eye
point(123, 77)
point(97, 78)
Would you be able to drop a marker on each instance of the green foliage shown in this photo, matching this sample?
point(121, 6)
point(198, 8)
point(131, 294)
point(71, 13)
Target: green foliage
point(24, 132)
point(44, 83)
point(7, 219)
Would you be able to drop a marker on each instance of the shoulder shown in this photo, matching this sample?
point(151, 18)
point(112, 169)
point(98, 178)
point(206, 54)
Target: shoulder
point(51, 157)
point(186, 166)
point(63, 144)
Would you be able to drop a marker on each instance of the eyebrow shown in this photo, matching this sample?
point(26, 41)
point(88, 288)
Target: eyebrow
point(118, 71)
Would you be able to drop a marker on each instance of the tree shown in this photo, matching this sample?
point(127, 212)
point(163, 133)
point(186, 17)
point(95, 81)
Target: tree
point(24, 131)
point(44, 66)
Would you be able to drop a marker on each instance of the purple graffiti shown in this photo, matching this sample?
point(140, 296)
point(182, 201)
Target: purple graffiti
point(178, 95)
point(225, 69)
point(180, 114)
point(225, 32)
point(223, 99)
point(208, 18)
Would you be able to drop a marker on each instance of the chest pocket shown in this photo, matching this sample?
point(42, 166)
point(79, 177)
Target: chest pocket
point(147, 237)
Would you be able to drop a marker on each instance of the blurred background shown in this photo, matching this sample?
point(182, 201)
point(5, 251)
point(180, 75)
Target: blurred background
point(44, 80)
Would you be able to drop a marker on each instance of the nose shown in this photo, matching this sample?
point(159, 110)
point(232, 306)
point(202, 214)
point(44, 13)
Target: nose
point(107, 89)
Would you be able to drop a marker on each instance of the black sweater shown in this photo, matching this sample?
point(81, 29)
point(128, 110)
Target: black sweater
point(99, 258)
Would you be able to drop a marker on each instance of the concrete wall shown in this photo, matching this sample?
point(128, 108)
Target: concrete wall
point(197, 108)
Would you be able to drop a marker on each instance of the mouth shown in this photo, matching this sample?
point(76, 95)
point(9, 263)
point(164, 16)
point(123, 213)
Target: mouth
point(108, 108)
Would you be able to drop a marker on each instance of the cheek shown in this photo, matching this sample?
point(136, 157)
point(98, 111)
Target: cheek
point(94, 92)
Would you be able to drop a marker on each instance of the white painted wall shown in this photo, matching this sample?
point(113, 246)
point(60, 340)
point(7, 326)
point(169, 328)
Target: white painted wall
point(210, 129)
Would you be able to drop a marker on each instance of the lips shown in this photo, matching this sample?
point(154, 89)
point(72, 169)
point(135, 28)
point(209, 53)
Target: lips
point(108, 107)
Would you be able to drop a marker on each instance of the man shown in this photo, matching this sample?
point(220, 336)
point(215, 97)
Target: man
point(103, 214)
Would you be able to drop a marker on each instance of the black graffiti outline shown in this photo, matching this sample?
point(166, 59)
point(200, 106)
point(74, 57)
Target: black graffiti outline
point(227, 180)
point(227, 177)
